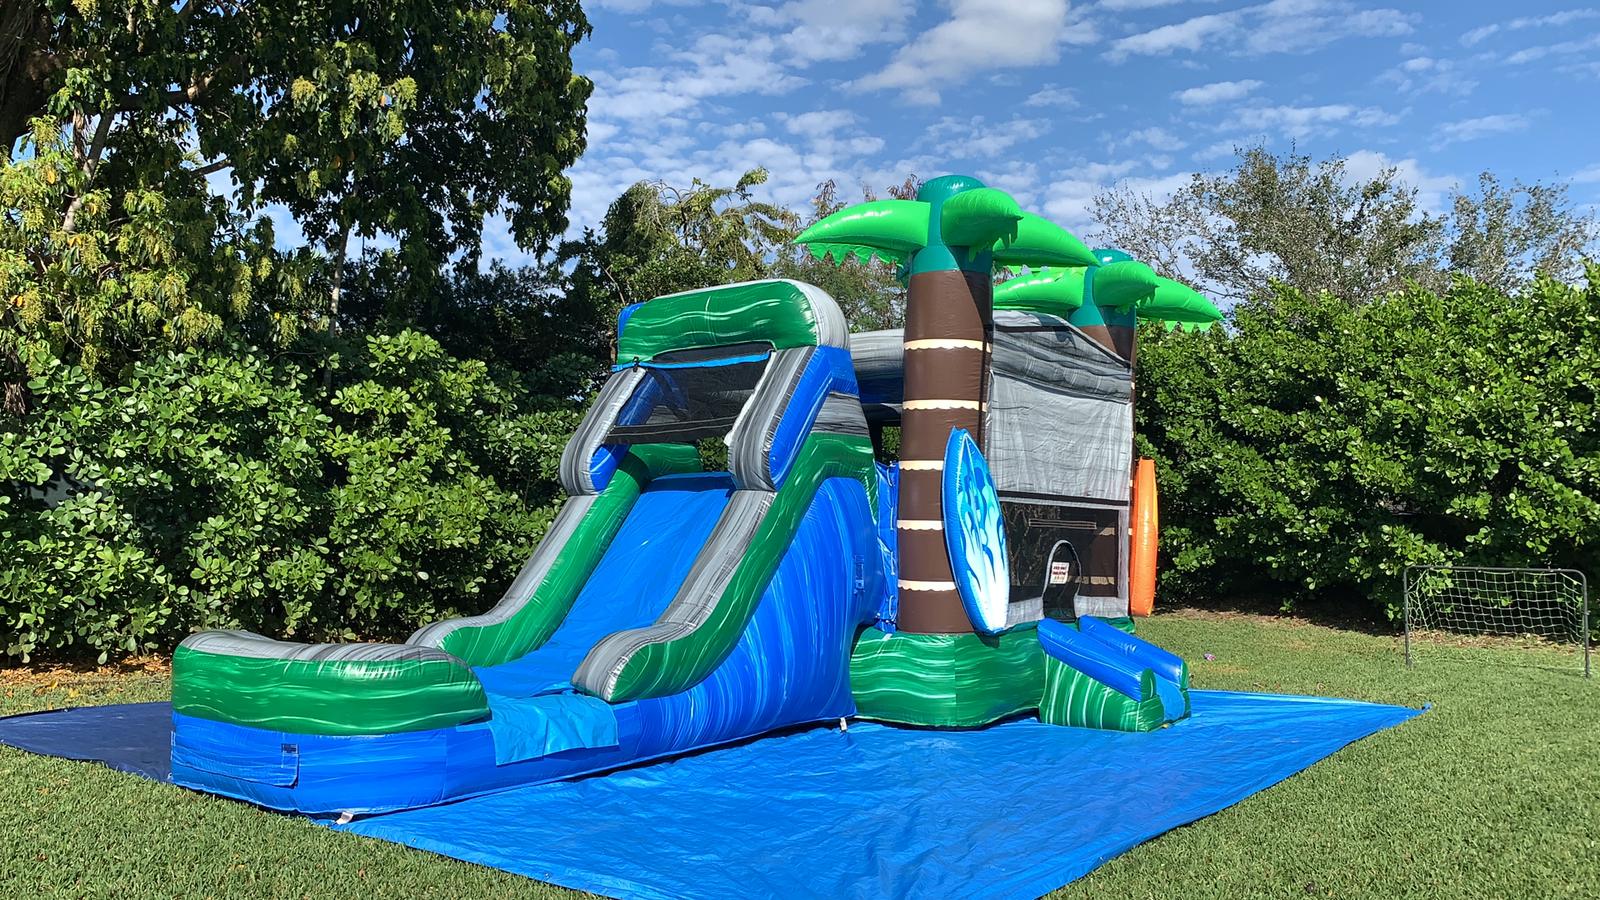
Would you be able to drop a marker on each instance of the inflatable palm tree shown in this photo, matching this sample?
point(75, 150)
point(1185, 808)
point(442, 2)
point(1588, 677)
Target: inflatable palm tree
point(1107, 300)
point(948, 241)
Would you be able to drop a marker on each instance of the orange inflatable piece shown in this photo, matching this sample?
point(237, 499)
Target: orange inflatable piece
point(1142, 541)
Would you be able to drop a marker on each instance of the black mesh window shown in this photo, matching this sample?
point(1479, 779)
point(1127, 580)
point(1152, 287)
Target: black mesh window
point(681, 406)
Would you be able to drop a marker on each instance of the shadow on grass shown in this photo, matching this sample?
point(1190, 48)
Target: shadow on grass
point(1345, 614)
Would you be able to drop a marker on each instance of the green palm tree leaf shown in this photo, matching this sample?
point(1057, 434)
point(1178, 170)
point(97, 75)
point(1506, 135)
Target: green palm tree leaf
point(1174, 301)
point(841, 252)
point(1124, 283)
point(978, 218)
point(891, 229)
point(1041, 242)
point(1054, 291)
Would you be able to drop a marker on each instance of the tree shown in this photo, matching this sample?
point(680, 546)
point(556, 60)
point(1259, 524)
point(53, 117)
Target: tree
point(102, 277)
point(1316, 448)
point(868, 291)
point(949, 239)
point(1310, 225)
point(658, 239)
point(1503, 237)
point(524, 321)
point(408, 119)
point(1315, 227)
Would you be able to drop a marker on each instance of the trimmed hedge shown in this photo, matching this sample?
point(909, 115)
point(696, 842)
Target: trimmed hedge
point(224, 488)
point(1317, 447)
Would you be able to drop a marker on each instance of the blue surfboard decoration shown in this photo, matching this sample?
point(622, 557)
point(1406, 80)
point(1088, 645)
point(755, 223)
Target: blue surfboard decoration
point(974, 535)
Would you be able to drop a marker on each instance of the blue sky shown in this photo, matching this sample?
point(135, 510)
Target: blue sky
point(1054, 101)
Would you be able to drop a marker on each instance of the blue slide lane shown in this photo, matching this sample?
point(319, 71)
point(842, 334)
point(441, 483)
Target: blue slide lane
point(791, 666)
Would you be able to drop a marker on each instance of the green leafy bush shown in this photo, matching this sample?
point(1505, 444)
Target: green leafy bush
point(222, 488)
point(1320, 447)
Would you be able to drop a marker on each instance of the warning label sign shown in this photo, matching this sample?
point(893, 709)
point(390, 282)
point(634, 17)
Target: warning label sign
point(1060, 572)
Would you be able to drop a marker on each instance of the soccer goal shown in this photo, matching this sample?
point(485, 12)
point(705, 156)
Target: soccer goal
point(1456, 605)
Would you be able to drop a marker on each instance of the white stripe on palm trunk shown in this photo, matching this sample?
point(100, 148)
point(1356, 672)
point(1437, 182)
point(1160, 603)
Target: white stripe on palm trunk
point(940, 404)
point(946, 344)
point(906, 585)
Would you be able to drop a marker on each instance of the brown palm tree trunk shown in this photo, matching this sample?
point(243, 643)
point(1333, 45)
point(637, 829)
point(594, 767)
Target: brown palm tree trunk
point(949, 327)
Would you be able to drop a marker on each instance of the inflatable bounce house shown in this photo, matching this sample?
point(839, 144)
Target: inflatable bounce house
point(983, 574)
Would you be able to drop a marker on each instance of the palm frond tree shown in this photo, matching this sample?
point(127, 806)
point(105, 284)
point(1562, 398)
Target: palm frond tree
point(947, 242)
point(1106, 300)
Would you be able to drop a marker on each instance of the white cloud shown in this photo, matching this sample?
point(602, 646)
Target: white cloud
point(1484, 126)
point(636, 6)
point(979, 36)
point(1053, 97)
point(1190, 34)
point(817, 31)
point(1299, 122)
point(1567, 17)
point(1564, 48)
point(1216, 92)
point(1590, 175)
point(1219, 149)
point(1069, 199)
point(1154, 136)
point(1278, 26)
point(818, 121)
point(1426, 74)
point(715, 65)
point(832, 133)
point(953, 137)
point(1127, 5)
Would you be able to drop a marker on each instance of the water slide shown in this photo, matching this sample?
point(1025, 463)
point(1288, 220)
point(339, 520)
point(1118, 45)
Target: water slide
point(668, 608)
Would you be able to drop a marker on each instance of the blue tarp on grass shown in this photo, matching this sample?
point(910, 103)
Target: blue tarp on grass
point(128, 737)
point(1015, 810)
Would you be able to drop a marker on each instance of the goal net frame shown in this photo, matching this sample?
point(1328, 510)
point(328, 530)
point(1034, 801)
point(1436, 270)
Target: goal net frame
point(1498, 601)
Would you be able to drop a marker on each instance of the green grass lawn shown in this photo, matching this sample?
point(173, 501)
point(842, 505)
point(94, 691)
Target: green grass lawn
point(1494, 793)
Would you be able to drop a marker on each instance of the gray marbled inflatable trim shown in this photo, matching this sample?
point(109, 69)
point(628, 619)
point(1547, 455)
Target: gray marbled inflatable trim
point(702, 589)
point(750, 441)
point(254, 646)
point(597, 423)
point(832, 329)
point(840, 414)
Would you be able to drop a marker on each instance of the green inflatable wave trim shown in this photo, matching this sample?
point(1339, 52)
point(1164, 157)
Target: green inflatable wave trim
point(978, 217)
point(948, 680)
point(659, 669)
point(769, 312)
point(337, 698)
point(1123, 284)
point(1073, 698)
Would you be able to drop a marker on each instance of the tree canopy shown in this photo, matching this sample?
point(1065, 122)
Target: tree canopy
point(1316, 226)
point(144, 140)
point(658, 239)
